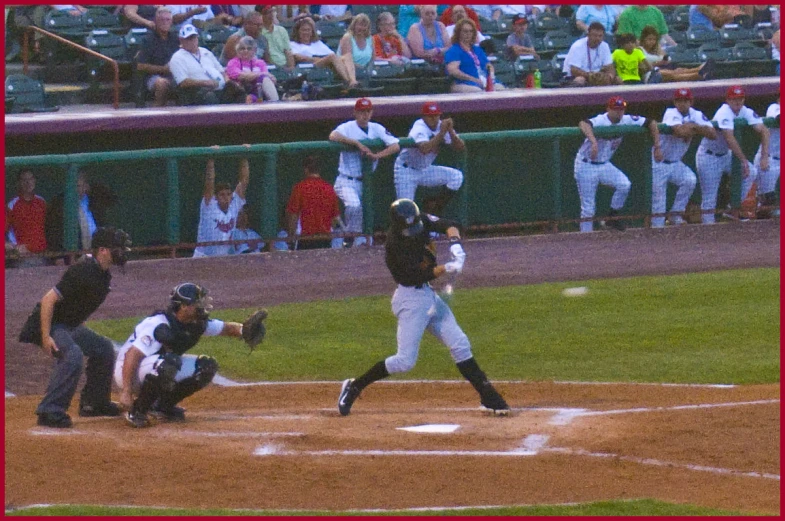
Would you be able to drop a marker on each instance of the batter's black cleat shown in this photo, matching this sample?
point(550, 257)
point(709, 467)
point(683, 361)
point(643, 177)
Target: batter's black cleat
point(349, 394)
point(171, 414)
point(137, 420)
point(615, 224)
point(55, 421)
point(492, 401)
point(105, 409)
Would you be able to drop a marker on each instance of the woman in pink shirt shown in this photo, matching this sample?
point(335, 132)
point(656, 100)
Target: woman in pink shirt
point(251, 72)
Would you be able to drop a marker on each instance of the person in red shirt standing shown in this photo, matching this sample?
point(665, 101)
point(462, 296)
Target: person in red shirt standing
point(26, 218)
point(315, 204)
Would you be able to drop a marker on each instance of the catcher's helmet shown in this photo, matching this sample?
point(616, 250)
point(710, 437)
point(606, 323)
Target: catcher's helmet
point(405, 218)
point(189, 294)
point(116, 240)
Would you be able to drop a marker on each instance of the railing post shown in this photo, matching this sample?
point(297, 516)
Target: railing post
point(173, 201)
point(71, 209)
point(269, 212)
point(463, 194)
point(367, 196)
point(556, 181)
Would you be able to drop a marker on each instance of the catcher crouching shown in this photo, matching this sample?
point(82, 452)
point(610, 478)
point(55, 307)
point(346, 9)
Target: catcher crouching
point(152, 365)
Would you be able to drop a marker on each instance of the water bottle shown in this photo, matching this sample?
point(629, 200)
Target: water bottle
point(304, 91)
point(490, 78)
point(537, 79)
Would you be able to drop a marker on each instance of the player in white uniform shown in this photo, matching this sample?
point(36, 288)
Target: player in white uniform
point(713, 158)
point(768, 178)
point(219, 208)
point(151, 364)
point(414, 166)
point(686, 122)
point(349, 183)
point(593, 166)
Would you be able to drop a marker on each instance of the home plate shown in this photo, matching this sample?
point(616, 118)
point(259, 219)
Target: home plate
point(439, 428)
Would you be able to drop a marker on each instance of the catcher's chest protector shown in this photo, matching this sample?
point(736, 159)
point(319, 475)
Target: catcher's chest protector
point(185, 335)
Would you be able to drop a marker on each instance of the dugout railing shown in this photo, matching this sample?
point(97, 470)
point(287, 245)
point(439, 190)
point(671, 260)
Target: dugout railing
point(511, 178)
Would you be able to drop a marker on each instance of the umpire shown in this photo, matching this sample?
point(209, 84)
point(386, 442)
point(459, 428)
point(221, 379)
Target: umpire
point(56, 325)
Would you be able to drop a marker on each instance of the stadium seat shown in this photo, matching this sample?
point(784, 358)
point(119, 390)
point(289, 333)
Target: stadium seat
point(214, 34)
point(505, 73)
point(557, 41)
point(489, 26)
point(683, 56)
point(330, 30)
point(434, 85)
point(764, 31)
point(133, 40)
point(548, 22)
point(28, 95)
point(110, 45)
point(64, 24)
point(732, 34)
point(679, 18)
point(714, 51)
point(697, 36)
point(100, 18)
point(748, 51)
point(680, 37)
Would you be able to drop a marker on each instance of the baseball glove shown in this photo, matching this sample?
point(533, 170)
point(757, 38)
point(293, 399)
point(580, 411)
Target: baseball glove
point(254, 329)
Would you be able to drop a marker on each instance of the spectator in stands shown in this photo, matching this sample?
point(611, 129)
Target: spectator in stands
point(95, 199)
point(219, 208)
point(650, 45)
point(251, 72)
point(408, 15)
point(291, 13)
point(200, 78)
point(335, 13)
point(242, 232)
point(775, 49)
point(314, 204)
point(140, 15)
point(589, 62)
point(448, 16)
point(508, 11)
point(428, 38)
point(466, 62)
point(636, 17)
point(483, 11)
point(518, 42)
point(388, 44)
point(278, 39)
point(196, 15)
point(699, 17)
point(458, 13)
point(227, 14)
point(73, 10)
point(26, 219)
point(357, 45)
point(757, 14)
point(604, 14)
point(308, 48)
point(629, 60)
point(252, 26)
point(156, 50)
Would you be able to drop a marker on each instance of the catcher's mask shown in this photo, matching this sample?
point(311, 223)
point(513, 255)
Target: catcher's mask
point(405, 218)
point(190, 294)
point(116, 240)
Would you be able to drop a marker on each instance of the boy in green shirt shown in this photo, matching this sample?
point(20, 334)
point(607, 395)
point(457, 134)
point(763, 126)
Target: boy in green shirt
point(629, 60)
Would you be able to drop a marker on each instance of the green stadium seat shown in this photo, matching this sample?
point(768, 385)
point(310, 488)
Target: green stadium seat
point(100, 18)
point(732, 34)
point(63, 24)
point(505, 72)
point(697, 36)
point(28, 95)
point(679, 19)
point(548, 22)
point(133, 40)
point(557, 41)
point(714, 51)
point(214, 34)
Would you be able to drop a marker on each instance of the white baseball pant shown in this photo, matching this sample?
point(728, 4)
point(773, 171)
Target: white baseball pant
point(418, 310)
point(677, 173)
point(350, 191)
point(407, 179)
point(767, 181)
point(149, 365)
point(588, 176)
point(710, 170)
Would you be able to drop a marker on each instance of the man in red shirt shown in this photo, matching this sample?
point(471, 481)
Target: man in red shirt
point(315, 204)
point(26, 216)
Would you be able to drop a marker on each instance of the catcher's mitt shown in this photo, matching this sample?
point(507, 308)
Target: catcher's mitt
point(254, 329)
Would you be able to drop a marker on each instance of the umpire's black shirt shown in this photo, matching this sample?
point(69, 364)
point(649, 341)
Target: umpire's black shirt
point(83, 288)
point(411, 260)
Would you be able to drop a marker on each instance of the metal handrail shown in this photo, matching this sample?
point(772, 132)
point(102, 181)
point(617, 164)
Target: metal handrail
point(113, 63)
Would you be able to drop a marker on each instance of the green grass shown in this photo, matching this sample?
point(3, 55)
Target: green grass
point(642, 507)
point(717, 327)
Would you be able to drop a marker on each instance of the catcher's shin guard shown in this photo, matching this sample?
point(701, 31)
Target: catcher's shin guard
point(206, 368)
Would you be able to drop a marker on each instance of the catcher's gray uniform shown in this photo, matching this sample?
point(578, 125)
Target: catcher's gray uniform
point(672, 169)
point(413, 168)
point(714, 159)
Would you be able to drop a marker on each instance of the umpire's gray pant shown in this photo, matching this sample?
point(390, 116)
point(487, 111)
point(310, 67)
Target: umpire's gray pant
point(74, 344)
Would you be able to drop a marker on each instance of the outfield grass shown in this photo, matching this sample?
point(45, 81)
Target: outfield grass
point(718, 327)
point(642, 507)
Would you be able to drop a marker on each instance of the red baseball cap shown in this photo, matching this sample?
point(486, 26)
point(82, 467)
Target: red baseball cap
point(363, 104)
point(430, 108)
point(736, 91)
point(683, 94)
point(617, 102)
point(265, 7)
point(520, 19)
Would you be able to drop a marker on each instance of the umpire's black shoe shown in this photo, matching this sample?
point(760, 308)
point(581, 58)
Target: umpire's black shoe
point(104, 409)
point(171, 414)
point(349, 394)
point(56, 421)
point(493, 402)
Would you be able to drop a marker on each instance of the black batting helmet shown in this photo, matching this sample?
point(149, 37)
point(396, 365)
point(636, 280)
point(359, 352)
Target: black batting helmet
point(190, 294)
point(114, 239)
point(405, 218)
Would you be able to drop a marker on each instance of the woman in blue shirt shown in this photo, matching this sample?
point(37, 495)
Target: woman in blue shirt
point(465, 61)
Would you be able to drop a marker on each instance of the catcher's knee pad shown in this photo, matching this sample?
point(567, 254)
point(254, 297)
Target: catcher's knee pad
point(170, 364)
point(206, 368)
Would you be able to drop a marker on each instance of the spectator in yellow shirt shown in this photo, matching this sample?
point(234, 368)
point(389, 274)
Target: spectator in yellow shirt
point(629, 60)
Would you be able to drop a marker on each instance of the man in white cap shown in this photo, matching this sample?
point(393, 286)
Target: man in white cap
point(199, 76)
